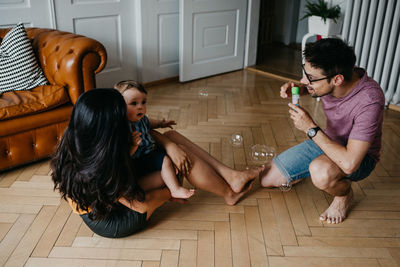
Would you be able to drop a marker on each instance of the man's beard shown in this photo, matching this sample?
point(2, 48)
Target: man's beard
point(315, 95)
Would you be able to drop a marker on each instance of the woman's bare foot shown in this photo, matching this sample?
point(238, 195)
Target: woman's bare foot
point(182, 192)
point(337, 211)
point(179, 200)
point(240, 178)
point(234, 197)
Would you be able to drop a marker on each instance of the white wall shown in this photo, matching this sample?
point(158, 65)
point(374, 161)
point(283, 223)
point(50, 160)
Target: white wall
point(107, 21)
point(159, 34)
point(38, 14)
point(141, 36)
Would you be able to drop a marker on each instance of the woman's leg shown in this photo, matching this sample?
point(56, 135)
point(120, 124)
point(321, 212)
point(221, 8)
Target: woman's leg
point(203, 176)
point(151, 181)
point(236, 179)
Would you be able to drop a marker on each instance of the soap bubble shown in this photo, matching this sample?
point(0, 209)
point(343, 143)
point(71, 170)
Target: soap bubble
point(203, 93)
point(261, 154)
point(236, 139)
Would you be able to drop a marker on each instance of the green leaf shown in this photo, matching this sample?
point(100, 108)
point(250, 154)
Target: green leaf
point(322, 10)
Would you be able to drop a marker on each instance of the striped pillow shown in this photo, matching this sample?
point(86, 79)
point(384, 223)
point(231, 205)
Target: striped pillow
point(18, 67)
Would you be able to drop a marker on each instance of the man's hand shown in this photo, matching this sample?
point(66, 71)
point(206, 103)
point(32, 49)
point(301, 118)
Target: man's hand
point(286, 89)
point(166, 124)
point(301, 119)
point(136, 140)
point(179, 158)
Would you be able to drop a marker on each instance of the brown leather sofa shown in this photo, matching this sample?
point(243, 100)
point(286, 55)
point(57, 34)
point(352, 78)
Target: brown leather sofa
point(32, 121)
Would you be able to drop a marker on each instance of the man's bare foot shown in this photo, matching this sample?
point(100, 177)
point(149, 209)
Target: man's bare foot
point(234, 197)
point(182, 192)
point(337, 211)
point(240, 178)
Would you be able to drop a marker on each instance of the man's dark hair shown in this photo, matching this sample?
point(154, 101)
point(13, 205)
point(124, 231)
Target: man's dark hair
point(332, 55)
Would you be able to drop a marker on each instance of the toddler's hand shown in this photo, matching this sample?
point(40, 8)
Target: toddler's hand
point(136, 140)
point(165, 124)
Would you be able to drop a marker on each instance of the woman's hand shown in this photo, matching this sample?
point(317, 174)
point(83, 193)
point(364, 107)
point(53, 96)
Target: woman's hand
point(179, 157)
point(136, 140)
point(153, 199)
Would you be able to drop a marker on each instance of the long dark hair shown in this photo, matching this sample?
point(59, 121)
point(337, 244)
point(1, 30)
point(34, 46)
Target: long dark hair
point(92, 165)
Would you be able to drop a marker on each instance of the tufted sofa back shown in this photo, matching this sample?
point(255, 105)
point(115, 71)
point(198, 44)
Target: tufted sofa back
point(69, 61)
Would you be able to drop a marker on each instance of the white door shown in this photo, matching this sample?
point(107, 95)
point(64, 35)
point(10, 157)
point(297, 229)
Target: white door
point(14, 11)
point(160, 38)
point(112, 24)
point(212, 37)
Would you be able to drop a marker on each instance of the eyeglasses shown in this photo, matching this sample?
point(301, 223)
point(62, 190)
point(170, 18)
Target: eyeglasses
point(315, 80)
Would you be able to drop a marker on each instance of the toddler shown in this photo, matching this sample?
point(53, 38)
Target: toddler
point(146, 155)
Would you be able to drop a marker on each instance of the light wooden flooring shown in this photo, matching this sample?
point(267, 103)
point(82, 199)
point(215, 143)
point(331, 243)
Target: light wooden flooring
point(267, 228)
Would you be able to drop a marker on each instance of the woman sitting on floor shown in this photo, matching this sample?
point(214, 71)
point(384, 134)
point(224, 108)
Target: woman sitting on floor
point(92, 168)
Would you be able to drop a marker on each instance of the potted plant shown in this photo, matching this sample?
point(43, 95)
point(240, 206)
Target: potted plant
point(323, 20)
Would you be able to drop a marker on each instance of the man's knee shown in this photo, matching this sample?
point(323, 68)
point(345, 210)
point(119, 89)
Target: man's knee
point(323, 173)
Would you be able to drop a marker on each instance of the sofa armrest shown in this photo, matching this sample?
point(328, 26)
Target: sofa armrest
point(68, 59)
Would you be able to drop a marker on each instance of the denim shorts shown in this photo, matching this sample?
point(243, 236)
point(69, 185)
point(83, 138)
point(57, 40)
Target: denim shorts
point(294, 162)
point(151, 162)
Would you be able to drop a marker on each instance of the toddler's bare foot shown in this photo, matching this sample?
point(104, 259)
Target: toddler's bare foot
point(337, 211)
point(182, 192)
point(240, 178)
point(233, 197)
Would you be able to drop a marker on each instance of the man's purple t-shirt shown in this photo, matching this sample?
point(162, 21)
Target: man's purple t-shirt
point(358, 115)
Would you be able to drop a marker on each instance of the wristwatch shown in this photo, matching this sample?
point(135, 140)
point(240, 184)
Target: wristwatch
point(313, 132)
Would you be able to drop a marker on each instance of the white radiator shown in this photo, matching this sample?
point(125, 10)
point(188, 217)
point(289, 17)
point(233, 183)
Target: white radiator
point(372, 28)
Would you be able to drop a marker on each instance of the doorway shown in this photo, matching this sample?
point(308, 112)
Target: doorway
point(277, 50)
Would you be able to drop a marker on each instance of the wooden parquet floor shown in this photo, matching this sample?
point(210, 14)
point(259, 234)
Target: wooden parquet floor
point(267, 228)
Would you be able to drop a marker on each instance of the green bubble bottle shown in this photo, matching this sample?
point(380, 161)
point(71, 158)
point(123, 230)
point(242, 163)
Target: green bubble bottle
point(295, 96)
